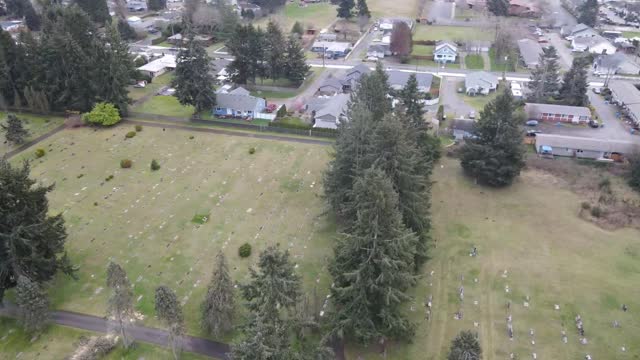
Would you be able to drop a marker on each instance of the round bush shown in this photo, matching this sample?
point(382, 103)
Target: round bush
point(40, 153)
point(252, 150)
point(596, 211)
point(586, 205)
point(130, 134)
point(125, 163)
point(244, 250)
point(138, 128)
point(154, 165)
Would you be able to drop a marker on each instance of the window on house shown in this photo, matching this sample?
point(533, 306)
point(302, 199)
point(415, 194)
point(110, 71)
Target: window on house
point(558, 115)
point(218, 109)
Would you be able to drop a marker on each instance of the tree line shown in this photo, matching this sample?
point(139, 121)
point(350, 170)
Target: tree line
point(265, 54)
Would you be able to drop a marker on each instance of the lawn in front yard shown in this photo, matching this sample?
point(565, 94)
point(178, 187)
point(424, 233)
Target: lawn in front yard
point(143, 219)
point(164, 105)
point(151, 88)
point(474, 62)
point(500, 65)
point(36, 125)
point(452, 33)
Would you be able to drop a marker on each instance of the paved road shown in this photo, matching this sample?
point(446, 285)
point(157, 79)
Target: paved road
point(141, 333)
point(453, 103)
point(28, 144)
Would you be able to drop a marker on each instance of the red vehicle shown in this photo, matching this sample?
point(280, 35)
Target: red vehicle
point(271, 108)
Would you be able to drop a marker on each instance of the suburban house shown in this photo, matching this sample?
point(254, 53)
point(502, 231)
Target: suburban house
point(445, 52)
point(328, 112)
point(627, 97)
point(159, 66)
point(578, 31)
point(134, 6)
point(246, 7)
point(616, 63)
point(585, 148)
point(177, 39)
point(386, 24)
point(334, 85)
point(327, 36)
point(331, 48)
point(523, 8)
point(593, 44)
point(378, 50)
point(398, 80)
point(239, 103)
point(462, 128)
point(557, 113)
point(530, 51)
point(480, 82)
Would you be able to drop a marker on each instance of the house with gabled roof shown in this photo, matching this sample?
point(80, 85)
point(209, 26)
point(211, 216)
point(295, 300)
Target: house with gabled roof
point(445, 52)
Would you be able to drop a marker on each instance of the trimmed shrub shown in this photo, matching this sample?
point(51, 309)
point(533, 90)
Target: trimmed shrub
point(138, 128)
point(244, 250)
point(596, 211)
point(104, 114)
point(252, 150)
point(130, 134)
point(40, 153)
point(154, 165)
point(125, 163)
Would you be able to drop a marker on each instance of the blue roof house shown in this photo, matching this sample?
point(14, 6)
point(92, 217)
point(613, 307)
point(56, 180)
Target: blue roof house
point(445, 52)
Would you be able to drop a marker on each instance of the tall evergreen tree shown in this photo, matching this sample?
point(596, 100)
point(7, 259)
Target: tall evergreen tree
point(545, 77)
point(13, 76)
point(363, 9)
point(31, 241)
point(410, 98)
point(465, 347)
point(193, 80)
point(588, 12)
point(295, 63)
point(117, 71)
point(247, 46)
point(120, 307)
point(15, 132)
point(263, 340)
point(372, 92)
point(33, 305)
point(97, 10)
point(274, 47)
point(156, 5)
point(373, 264)
point(32, 19)
point(345, 9)
point(498, 7)
point(575, 83)
point(495, 156)
point(297, 29)
point(219, 304)
point(169, 311)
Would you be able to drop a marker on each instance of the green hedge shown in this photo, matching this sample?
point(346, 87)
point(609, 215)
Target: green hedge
point(159, 40)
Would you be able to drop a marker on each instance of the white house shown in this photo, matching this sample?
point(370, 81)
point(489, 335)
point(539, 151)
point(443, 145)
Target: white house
point(445, 52)
point(158, 66)
point(593, 44)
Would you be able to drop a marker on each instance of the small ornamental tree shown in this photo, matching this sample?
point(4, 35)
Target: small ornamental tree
point(14, 130)
point(104, 114)
point(465, 347)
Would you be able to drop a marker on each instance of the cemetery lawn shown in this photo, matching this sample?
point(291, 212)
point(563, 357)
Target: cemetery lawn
point(143, 219)
point(37, 125)
point(532, 231)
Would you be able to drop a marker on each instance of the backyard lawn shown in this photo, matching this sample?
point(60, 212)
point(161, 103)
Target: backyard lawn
point(317, 16)
point(386, 8)
point(631, 34)
point(474, 62)
point(422, 50)
point(143, 219)
point(479, 101)
point(152, 88)
point(164, 105)
point(531, 242)
point(452, 33)
point(36, 125)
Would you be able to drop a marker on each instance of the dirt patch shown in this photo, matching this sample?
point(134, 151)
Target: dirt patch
point(608, 200)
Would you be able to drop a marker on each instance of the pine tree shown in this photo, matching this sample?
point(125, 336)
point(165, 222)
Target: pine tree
point(412, 107)
point(295, 64)
point(117, 71)
point(12, 70)
point(33, 305)
point(465, 347)
point(588, 12)
point(373, 264)
point(97, 9)
point(495, 155)
point(275, 48)
point(169, 311)
point(120, 307)
point(219, 304)
point(297, 29)
point(498, 7)
point(575, 83)
point(363, 9)
point(345, 9)
point(32, 241)
point(156, 5)
point(247, 46)
point(372, 93)
point(544, 82)
point(263, 340)
point(14, 130)
point(32, 19)
point(193, 80)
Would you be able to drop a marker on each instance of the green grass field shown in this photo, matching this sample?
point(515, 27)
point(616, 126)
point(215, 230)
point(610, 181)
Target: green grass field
point(143, 219)
point(630, 34)
point(164, 105)
point(152, 88)
point(36, 125)
point(474, 62)
point(422, 50)
point(452, 33)
point(316, 16)
point(382, 8)
point(530, 230)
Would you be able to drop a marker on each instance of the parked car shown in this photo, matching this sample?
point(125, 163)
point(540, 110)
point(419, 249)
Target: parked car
point(597, 90)
point(532, 133)
point(594, 124)
point(472, 114)
point(532, 123)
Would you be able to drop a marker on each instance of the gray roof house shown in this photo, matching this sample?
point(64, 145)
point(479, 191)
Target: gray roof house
point(334, 85)
point(580, 147)
point(580, 30)
point(593, 44)
point(398, 80)
point(480, 82)
point(329, 112)
point(628, 97)
point(557, 113)
point(529, 52)
point(330, 86)
point(617, 63)
point(238, 103)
